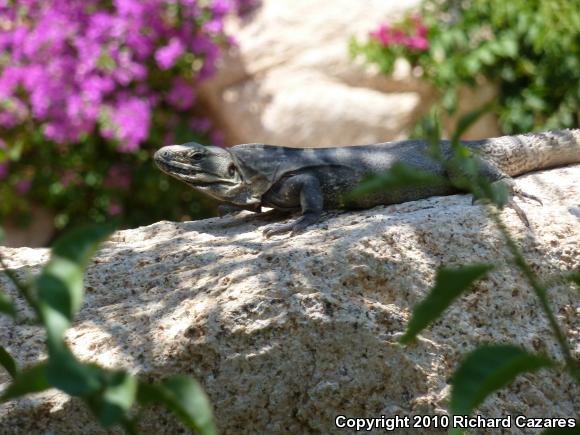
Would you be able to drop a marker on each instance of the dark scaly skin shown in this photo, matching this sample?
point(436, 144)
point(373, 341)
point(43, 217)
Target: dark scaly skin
point(310, 180)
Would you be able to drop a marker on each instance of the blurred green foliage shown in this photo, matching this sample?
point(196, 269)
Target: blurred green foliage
point(55, 297)
point(488, 367)
point(529, 48)
point(85, 100)
point(93, 181)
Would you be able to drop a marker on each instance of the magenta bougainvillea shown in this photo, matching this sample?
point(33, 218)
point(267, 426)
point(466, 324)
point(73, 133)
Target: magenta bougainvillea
point(70, 66)
point(414, 36)
point(88, 88)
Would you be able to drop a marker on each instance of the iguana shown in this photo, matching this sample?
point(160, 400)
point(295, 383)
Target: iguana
point(310, 180)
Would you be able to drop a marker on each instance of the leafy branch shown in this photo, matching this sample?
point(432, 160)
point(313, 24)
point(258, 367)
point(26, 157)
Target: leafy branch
point(489, 367)
point(56, 297)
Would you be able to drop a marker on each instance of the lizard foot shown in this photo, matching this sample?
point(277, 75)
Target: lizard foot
point(521, 214)
point(513, 191)
point(522, 194)
point(272, 230)
point(293, 227)
point(511, 203)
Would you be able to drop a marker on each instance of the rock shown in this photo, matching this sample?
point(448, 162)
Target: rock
point(37, 231)
point(292, 81)
point(287, 333)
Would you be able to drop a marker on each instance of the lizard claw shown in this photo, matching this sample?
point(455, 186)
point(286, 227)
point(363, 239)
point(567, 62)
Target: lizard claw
point(294, 227)
point(521, 194)
point(521, 214)
point(272, 230)
point(510, 203)
point(516, 191)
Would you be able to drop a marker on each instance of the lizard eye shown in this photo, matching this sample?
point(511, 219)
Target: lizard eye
point(197, 156)
point(231, 170)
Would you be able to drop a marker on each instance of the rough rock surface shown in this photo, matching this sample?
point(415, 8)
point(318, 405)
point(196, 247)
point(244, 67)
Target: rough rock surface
point(291, 81)
point(287, 333)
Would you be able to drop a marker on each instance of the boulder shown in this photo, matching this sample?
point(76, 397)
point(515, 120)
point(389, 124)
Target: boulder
point(291, 80)
point(286, 333)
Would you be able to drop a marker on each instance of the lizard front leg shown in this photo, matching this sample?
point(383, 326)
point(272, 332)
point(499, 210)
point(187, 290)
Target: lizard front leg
point(305, 190)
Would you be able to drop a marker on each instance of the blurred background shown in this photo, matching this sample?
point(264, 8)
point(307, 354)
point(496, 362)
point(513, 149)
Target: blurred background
point(89, 89)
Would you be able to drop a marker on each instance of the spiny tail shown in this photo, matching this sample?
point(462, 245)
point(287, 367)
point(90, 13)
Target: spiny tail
point(520, 154)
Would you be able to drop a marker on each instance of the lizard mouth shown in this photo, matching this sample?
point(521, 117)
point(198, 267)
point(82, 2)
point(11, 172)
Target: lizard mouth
point(187, 173)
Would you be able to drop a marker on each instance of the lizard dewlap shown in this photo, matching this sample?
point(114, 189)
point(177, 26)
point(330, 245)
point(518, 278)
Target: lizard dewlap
point(310, 180)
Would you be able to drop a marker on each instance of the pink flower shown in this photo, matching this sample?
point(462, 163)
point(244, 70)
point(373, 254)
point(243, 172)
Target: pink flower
point(169, 138)
point(129, 7)
point(23, 186)
point(399, 37)
point(215, 25)
point(9, 80)
point(167, 56)
point(217, 138)
point(383, 34)
point(71, 61)
point(181, 95)
point(68, 177)
point(115, 208)
point(3, 170)
point(221, 7)
point(418, 43)
point(131, 120)
point(200, 124)
point(420, 28)
point(118, 177)
point(56, 131)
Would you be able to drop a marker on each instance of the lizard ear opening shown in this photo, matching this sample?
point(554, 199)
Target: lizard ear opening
point(232, 170)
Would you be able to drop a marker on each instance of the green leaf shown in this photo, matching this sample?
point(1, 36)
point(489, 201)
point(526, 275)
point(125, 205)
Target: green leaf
point(400, 176)
point(6, 305)
point(8, 362)
point(56, 285)
point(30, 380)
point(60, 284)
point(468, 120)
point(487, 369)
point(112, 403)
point(498, 193)
point(486, 55)
point(66, 373)
point(449, 99)
point(472, 64)
point(185, 397)
point(430, 128)
point(80, 244)
point(575, 278)
point(510, 47)
point(449, 284)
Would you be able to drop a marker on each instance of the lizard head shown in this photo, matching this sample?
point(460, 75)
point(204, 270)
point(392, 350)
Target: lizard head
point(208, 169)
